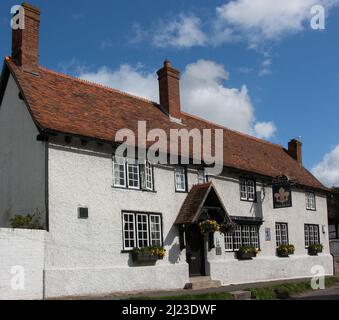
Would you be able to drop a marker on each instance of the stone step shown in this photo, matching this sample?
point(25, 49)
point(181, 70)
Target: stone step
point(200, 283)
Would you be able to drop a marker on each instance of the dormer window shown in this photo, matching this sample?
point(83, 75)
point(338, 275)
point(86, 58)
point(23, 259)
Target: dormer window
point(247, 190)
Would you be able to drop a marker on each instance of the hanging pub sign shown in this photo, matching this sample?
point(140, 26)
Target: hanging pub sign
point(282, 195)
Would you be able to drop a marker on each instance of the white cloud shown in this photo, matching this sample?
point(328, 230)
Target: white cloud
point(327, 170)
point(127, 78)
point(251, 21)
point(265, 68)
point(203, 94)
point(182, 32)
point(265, 130)
point(262, 20)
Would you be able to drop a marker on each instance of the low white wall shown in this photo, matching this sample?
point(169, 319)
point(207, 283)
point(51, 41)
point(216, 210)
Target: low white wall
point(101, 281)
point(23, 248)
point(261, 269)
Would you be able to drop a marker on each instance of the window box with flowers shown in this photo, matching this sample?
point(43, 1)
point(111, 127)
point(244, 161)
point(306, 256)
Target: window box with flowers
point(285, 251)
point(315, 249)
point(148, 255)
point(247, 253)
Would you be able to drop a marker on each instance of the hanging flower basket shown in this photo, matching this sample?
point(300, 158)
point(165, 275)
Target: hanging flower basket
point(209, 226)
point(227, 228)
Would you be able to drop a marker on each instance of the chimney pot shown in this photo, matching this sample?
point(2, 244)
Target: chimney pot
point(169, 87)
point(295, 150)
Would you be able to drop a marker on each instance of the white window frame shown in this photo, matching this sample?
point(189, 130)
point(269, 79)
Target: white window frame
point(237, 243)
point(159, 232)
point(312, 234)
point(148, 176)
point(248, 190)
point(251, 190)
point(281, 234)
point(243, 189)
point(246, 235)
point(143, 231)
point(117, 163)
point(180, 172)
point(202, 177)
point(150, 239)
point(255, 238)
point(311, 203)
point(229, 245)
point(133, 164)
point(124, 230)
point(243, 235)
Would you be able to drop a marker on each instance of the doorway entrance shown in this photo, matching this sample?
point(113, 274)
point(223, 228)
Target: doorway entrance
point(195, 251)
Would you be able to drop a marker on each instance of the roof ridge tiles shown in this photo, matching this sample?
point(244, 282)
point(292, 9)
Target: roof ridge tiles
point(7, 58)
point(232, 130)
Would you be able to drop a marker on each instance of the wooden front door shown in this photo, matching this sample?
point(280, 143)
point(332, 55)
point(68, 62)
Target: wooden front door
point(195, 251)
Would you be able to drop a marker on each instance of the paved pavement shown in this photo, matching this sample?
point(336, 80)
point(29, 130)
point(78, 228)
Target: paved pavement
point(171, 293)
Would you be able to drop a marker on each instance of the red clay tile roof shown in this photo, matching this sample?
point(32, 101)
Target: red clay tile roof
point(65, 104)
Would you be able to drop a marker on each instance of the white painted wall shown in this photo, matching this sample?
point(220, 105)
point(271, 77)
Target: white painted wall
point(22, 160)
point(267, 266)
point(24, 248)
point(84, 256)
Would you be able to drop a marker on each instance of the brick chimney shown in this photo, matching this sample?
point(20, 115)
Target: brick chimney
point(295, 150)
point(25, 42)
point(169, 85)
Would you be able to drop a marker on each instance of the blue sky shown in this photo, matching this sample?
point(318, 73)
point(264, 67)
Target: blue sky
point(267, 71)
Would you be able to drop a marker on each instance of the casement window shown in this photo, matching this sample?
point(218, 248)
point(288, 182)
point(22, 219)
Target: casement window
point(243, 235)
point(155, 225)
point(281, 231)
point(132, 175)
point(180, 179)
point(148, 176)
point(310, 201)
point(202, 177)
point(311, 235)
point(119, 172)
point(247, 190)
point(141, 230)
point(129, 233)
